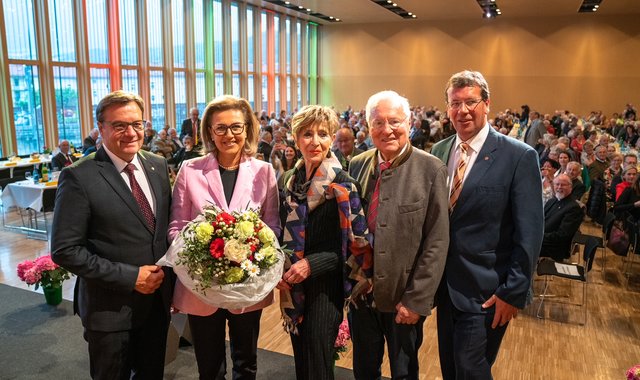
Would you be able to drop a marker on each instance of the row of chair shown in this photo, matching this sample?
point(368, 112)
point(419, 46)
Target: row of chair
point(548, 268)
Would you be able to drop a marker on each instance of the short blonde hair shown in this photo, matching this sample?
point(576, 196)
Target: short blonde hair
point(225, 103)
point(314, 114)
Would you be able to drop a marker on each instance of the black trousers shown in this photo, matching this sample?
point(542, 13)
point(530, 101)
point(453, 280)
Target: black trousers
point(467, 344)
point(137, 353)
point(209, 343)
point(369, 329)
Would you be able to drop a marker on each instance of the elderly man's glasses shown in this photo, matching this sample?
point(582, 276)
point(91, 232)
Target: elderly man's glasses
point(121, 126)
point(221, 129)
point(393, 123)
point(470, 104)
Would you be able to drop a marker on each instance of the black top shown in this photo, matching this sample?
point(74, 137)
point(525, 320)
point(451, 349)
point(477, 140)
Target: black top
point(228, 178)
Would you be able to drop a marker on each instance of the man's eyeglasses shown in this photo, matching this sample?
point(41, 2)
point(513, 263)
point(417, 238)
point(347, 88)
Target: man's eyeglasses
point(221, 129)
point(393, 123)
point(121, 126)
point(470, 104)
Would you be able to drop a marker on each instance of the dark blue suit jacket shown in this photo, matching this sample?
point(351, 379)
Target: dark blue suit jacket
point(100, 234)
point(497, 225)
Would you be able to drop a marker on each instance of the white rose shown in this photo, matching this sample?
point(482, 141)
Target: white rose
point(236, 251)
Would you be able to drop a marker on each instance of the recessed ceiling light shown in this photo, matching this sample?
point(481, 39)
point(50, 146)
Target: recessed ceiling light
point(409, 13)
point(596, 6)
point(308, 10)
point(394, 4)
point(300, 7)
point(337, 19)
point(331, 17)
point(286, 2)
point(414, 16)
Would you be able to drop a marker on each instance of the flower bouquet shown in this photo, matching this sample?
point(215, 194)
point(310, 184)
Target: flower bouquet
point(227, 259)
point(42, 272)
point(634, 373)
point(343, 337)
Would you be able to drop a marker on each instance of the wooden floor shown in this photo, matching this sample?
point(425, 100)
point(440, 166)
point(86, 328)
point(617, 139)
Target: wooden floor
point(533, 348)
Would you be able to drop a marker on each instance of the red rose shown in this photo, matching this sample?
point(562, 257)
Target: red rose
point(217, 248)
point(226, 217)
point(253, 248)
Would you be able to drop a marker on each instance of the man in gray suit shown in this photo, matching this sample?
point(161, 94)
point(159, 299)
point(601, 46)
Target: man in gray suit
point(406, 191)
point(534, 134)
point(496, 229)
point(109, 229)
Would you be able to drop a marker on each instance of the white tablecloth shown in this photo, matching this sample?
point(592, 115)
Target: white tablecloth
point(24, 194)
point(25, 162)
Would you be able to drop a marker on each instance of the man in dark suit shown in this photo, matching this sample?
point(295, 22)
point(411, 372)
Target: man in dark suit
point(562, 218)
point(117, 231)
point(264, 146)
point(64, 158)
point(90, 141)
point(574, 171)
point(410, 239)
point(534, 134)
point(345, 147)
point(191, 126)
point(496, 227)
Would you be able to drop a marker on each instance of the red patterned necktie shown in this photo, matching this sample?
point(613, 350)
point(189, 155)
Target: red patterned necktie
point(373, 206)
point(138, 194)
point(456, 187)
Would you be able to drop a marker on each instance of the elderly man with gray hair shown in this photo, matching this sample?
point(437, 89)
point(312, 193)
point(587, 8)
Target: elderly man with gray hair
point(408, 219)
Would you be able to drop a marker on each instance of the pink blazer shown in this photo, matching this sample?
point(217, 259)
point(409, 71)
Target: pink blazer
point(199, 184)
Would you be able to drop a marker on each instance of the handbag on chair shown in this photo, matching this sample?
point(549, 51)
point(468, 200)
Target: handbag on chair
point(618, 241)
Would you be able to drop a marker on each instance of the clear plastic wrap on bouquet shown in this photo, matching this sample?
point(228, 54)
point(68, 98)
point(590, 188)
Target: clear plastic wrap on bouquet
point(227, 296)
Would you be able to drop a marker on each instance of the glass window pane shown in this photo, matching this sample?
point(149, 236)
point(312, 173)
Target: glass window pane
point(287, 44)
point(177, 18)
point(251, 94)
point(277, 97)
point(130, 81)
point(27, 111)
point(265, 102)
point(180, 84)
point(128, 32)
point(21, 32)
point(299, 92)
point(157, 99)
point(201, 95)
point(217, 34)
point(235, 85)
point(264, 35)
point(100, 87)
point(62, 30)
point(198, 25)
point(65, 84)
point(276, 33)
point(299, 46)
point(97, 31)
point(219, 84)
point(154, 32)
point(250, 43)
point(288, 105)
point(235, 38)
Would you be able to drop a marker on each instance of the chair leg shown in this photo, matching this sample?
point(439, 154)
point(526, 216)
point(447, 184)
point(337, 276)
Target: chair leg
point(542, 296)
point(584, 302)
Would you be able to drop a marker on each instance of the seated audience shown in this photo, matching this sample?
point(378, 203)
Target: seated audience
point(264, 146)
point(345, 147)
point(614, 170)
point(361, 136)
point(161, 145)
point(90, 141)
point(628, 203)
point(574, 171)
point(599, 164)
point(64, 158)
point(628, 177)
point(629, 159)
point(187, 152)
point(548, 170)
point(562, 218)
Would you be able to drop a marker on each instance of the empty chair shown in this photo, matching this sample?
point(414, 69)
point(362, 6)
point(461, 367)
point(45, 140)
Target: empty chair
point(573, 272)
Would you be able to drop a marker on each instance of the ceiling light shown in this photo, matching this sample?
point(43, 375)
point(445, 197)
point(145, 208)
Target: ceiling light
point(337, 19)
point(414, 16)
point(331, 17)
point(394, 4)
point(308, 10)
point(596, 6)
point(300, 6)
point(286, 2)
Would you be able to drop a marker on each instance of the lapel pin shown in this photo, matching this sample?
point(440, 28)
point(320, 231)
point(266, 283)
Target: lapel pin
point(153, 168)
point(486, 158)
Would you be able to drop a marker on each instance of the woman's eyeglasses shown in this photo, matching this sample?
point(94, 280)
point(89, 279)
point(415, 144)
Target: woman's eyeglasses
point(221, 129)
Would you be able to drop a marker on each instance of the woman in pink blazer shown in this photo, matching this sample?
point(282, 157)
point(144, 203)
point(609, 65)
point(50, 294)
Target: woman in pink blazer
point(229, 177)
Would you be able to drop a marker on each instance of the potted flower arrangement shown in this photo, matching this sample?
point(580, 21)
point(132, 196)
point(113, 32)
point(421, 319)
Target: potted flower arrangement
point(344, 335)
point(44, 272)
